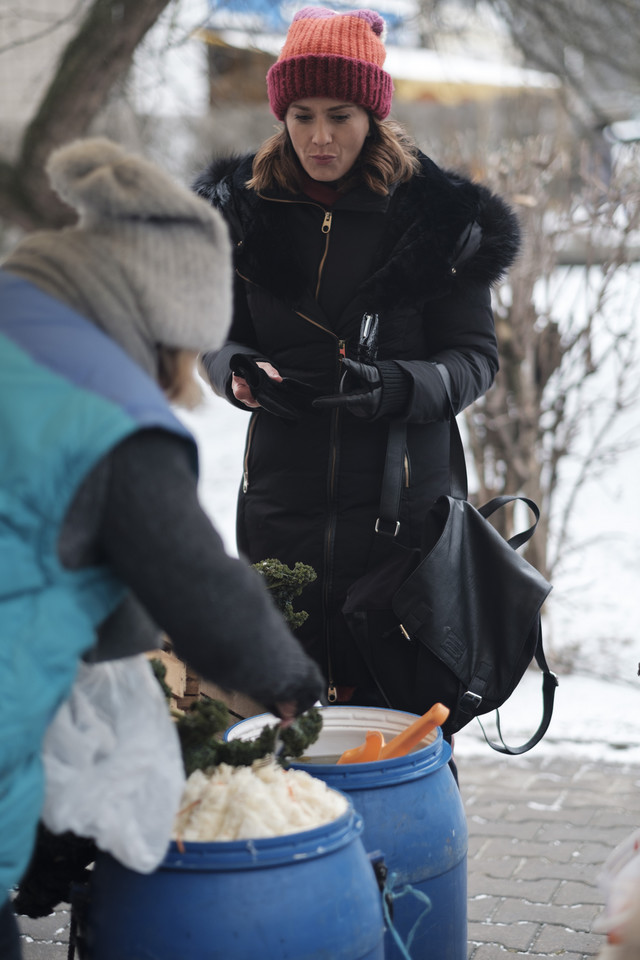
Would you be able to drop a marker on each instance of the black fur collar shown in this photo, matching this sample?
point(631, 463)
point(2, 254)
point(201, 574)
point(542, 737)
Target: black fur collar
point(444, 232)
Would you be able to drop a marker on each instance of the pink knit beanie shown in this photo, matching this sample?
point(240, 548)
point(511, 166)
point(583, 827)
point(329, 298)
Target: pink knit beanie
point(337, 55)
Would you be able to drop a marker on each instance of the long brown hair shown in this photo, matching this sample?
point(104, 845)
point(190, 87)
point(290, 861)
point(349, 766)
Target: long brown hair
point(388, 155)
point(177, 376)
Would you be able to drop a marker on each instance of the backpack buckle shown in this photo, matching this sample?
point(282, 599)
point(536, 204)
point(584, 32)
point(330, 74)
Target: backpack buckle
point(470, 701)
point(387, 527)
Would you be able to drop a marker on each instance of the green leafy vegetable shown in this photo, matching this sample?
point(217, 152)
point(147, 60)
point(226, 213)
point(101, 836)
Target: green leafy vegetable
point(304, 731)
point(199, 729)
point(160, 673)
point(285, 584)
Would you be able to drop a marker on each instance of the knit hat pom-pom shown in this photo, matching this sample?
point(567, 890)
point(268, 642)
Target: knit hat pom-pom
point(314, 13)
point(144, 240)
point(374, 19)
point(93, 175)
point(103, 182)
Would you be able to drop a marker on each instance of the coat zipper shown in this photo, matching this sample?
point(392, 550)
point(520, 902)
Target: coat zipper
point(342, 351)
point(341, 343)
point(326, 229)
point(332, 693)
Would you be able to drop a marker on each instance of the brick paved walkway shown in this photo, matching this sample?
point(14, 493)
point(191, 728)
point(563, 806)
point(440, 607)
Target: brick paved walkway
point(539, 831)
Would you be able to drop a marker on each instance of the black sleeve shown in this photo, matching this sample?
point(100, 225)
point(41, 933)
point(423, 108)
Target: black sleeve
point(241, 339)
point(217, 370)
point(214, 607)
point(462, 338)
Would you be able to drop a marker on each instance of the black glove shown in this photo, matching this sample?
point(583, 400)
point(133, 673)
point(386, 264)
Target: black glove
point(58, 861)
point(360, 390)
point(370, 391)
point(303, 691)
point(288, 399)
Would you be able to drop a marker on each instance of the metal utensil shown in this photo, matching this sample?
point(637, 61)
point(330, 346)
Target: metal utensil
point(277, 750)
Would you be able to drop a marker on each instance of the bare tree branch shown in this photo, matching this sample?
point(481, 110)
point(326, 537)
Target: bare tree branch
point(96, 58)
point(591, 45)
point(569, 351)
point(52, 23)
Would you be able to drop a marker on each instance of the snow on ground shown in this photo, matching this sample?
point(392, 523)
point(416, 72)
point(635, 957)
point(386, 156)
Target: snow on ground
point(593, 718)
point(597, 711)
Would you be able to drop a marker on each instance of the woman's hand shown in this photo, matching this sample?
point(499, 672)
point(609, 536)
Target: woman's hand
point(303, 691)
point(360, 393)
point(242, 390)
point(287, 712)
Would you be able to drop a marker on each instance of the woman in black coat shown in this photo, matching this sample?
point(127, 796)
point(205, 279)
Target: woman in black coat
point(363, 276)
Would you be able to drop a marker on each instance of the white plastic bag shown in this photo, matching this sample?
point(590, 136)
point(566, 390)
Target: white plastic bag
point(620, 881)
point(113, 763)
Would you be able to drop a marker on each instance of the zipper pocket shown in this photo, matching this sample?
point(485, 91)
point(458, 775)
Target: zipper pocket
point(320, 326)
point(245, 462)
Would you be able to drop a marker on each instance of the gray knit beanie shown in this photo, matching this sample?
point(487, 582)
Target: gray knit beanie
point(148, 261)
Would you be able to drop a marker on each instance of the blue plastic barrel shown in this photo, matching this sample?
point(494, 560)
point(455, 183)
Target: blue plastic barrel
point(304, 896)
point(413, 814)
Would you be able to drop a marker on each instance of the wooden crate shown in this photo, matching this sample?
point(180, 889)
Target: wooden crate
point(187, 686)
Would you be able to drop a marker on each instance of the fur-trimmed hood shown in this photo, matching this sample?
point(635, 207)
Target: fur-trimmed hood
point(444, 232)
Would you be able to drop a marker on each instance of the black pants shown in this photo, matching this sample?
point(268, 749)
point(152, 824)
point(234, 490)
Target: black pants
point(9, 935)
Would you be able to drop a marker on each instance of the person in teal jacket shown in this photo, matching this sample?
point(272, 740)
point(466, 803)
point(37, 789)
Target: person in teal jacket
point(103, 543)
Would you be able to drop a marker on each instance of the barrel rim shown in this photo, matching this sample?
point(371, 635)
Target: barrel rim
point(374, 774)
point(380, 774)
point(256, 852)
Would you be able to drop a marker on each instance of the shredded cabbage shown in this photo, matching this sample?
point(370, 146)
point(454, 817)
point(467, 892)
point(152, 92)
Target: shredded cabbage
point(243, 803)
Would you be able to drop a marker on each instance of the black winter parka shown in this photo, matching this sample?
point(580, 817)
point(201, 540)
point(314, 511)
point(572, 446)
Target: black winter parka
point(423, 258)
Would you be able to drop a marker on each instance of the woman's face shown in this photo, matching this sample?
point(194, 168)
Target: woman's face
point(327, 135)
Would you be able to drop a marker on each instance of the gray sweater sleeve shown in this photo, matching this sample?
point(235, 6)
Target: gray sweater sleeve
point(152, 530)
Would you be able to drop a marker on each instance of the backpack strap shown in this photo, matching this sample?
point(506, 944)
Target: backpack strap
point(388, 523)
point(549, 684)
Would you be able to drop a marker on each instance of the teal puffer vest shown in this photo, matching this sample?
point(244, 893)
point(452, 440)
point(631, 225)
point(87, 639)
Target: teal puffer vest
point(68, 394)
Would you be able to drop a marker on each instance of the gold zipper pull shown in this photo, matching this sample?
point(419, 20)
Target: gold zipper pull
point(326, 223)
point(332, 693)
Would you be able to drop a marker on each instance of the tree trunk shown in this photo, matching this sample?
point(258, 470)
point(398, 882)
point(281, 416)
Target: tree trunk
point(96, 58)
